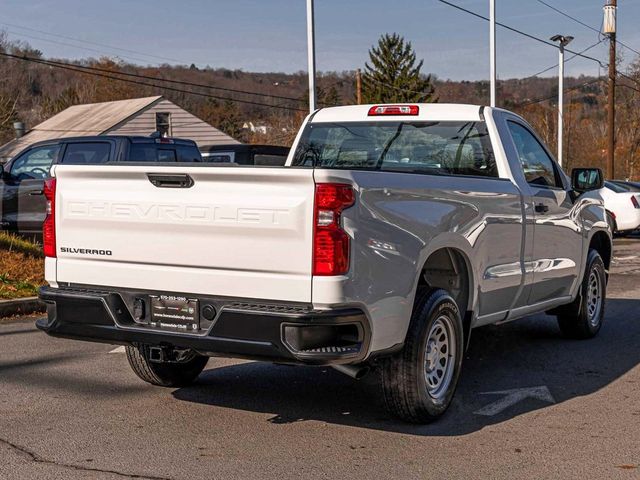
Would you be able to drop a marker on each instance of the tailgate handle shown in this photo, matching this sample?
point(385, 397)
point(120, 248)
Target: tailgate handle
point(164, 180)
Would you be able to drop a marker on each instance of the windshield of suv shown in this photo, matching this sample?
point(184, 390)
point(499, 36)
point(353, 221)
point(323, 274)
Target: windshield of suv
point(440, 148)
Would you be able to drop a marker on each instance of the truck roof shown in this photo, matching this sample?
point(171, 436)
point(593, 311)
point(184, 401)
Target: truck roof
point(426, 112)
point(89, 138)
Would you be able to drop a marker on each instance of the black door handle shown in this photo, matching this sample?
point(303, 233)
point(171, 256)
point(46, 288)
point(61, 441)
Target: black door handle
point(167, 180)
point(37, 192)
point(541, 208)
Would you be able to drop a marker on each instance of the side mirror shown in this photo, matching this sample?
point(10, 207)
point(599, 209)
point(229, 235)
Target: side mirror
point(586, 179)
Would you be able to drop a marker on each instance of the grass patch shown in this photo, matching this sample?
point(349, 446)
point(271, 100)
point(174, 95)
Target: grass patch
point(21, 267)
point(13, 243)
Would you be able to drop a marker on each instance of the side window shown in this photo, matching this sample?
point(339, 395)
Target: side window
point(87, 153)
point(166, 155)
point(537, 165)
point(188, 153)
point(35, 163)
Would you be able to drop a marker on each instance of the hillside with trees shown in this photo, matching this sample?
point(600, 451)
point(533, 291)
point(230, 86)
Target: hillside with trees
point(34, 88)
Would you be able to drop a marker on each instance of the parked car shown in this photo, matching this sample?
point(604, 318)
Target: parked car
point(631, 186)
point(242, 154)
point(623, 207)
point(392, 232)
point(23, 204)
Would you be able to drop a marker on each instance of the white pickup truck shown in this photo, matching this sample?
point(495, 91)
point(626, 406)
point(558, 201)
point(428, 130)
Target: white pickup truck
point(392, 232)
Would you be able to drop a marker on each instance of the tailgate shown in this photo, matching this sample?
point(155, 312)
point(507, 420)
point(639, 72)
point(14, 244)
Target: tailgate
point(238, 232)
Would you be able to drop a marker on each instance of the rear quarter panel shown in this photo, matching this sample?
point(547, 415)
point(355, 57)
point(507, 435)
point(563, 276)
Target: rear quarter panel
point(399, 220)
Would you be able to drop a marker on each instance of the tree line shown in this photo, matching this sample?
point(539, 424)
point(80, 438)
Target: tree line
point(32, 92)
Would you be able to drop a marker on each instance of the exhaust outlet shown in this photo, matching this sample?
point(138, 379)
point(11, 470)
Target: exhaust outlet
point(354, 371)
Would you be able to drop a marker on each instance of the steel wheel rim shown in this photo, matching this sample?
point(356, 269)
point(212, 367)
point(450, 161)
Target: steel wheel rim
point(439, 357)
point(594, 298)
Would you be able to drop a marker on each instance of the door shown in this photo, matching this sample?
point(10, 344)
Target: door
point(23, 202)
point(557, 233)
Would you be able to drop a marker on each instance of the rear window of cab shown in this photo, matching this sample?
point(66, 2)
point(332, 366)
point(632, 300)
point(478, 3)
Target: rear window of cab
point(438, 148)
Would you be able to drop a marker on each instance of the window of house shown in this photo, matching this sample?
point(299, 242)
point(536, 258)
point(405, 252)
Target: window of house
point(163, 123)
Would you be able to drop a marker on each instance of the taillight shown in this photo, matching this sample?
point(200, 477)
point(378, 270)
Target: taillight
point(634, 200)
point(49, 225)
point(330, 241)
point(378, 110)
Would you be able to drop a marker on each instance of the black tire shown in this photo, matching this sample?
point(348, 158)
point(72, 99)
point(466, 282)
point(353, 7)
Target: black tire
point(405, 375)
point(164, 374)
point(583, 318)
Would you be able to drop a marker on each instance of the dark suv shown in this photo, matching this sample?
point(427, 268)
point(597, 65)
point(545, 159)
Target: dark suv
point(23, 203)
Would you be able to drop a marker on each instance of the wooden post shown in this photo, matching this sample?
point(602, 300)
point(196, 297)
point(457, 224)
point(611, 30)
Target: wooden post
point(358, 87)
point(611, 133)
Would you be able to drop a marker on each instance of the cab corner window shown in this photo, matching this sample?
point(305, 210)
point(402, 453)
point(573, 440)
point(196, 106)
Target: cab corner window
point(34, 164)
point(537, 165)
point(87, 153)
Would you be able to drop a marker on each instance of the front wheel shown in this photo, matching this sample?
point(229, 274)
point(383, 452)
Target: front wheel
point(583, 318)
point(418, 383)
point(165, 374)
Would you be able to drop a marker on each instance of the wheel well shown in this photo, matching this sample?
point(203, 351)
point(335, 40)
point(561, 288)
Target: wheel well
point(447, 268)
point(602, 244)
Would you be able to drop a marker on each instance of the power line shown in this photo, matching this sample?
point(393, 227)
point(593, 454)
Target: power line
point(569, 16)
point(89, 42)
point(568, 60)
point(136, 82)
point(520, 32)
point(400, 88)
point(599, 32)
point(89, 49)
point(149, 77)
point(551, 97)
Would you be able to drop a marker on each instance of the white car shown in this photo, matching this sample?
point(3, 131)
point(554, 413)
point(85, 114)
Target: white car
point(623, 207)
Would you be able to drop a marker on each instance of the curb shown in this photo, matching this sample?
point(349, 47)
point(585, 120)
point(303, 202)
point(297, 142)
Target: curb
point(21, 306)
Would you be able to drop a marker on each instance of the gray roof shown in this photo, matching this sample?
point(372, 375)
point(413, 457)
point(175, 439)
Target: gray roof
point(90, 119)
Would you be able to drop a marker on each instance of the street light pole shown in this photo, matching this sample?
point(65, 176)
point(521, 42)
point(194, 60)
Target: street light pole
point(492, 50)
point(311, 49)
point(562, 42)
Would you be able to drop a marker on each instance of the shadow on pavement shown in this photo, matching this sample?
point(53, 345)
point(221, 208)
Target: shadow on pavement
point(527, 353)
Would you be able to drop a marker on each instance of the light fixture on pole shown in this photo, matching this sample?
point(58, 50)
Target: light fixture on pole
point(311, 49)
point(562, 42)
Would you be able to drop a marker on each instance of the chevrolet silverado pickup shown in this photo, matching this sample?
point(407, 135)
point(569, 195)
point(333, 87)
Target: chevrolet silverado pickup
point(391, 233)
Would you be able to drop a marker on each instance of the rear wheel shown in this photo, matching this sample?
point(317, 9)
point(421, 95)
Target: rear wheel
point(179, 372)
point(418, 383)
point(583, 318)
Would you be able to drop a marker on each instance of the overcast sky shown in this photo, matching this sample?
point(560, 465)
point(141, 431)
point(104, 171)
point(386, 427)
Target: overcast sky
point(270, 35)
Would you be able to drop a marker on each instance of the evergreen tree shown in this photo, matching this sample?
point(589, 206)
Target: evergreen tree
point(394, 76)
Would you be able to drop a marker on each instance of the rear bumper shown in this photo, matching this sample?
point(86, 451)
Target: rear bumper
point(287, 333)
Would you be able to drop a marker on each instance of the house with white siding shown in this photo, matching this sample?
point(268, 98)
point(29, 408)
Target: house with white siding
point(137, 116)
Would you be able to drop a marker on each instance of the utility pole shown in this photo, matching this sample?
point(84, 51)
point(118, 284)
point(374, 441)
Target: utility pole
point(562, 42)
point(311, 47)
point(610, 11)
point(358, 87)
point(492, 49)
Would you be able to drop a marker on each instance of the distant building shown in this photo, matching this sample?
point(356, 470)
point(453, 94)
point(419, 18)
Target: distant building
point(137, 116)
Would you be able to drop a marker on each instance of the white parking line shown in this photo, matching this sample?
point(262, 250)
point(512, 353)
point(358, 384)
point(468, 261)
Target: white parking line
point(512, 397)
point(118, 350)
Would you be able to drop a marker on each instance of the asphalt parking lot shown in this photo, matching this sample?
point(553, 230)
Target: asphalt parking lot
point(530, 405)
